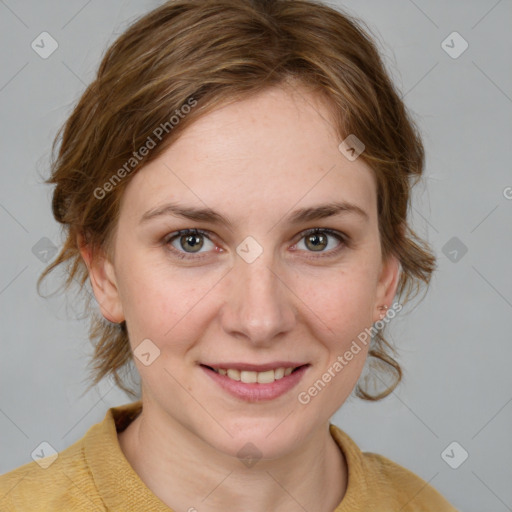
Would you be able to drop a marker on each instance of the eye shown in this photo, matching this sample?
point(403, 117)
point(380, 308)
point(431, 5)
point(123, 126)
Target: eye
point(189, 241)
point(321, 240)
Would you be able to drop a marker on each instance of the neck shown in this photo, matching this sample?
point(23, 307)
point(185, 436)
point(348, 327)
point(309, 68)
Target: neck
point(186, 473)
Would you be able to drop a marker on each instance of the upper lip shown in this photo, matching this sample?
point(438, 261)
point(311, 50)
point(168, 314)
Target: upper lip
point(254, 367)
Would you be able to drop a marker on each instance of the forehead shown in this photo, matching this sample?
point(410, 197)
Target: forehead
point(273, 150)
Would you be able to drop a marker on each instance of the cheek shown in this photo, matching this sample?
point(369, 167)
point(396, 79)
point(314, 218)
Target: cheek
point(342, 311)
point(163, 305)
point(341, 301)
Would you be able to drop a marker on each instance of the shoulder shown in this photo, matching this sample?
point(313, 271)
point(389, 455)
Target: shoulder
point(61, 483)
point(386, 485)
point(410, 492)
point(84, 476)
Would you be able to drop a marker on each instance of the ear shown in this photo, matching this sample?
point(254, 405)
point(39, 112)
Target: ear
point(387, 285)
point(103, 281)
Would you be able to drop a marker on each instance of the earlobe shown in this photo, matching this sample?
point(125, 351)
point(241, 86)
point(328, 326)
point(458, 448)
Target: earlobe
point(103, 281)
point(387, 287)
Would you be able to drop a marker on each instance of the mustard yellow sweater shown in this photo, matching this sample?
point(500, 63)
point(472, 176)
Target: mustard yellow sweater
point(93, 475)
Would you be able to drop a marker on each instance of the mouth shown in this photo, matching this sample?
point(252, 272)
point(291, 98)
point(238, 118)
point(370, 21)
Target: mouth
point(253, 374)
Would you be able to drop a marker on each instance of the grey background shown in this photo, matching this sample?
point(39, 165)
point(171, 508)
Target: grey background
point(455, 345)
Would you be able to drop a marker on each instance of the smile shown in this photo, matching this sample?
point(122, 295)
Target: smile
point(256, 383)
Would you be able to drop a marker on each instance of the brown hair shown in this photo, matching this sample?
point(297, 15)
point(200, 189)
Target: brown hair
point(209, 53)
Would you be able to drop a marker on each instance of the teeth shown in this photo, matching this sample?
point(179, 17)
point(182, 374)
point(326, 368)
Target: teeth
point(233, 374)
point(249, 377)
point(266, 377)
point(278, 373)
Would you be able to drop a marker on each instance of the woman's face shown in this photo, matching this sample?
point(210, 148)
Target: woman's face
point(253, 288)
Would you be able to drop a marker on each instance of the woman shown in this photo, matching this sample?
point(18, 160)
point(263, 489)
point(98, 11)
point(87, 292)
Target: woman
point(234, 187)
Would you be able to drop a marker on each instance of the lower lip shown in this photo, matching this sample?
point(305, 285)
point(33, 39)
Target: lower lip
point(257, 392)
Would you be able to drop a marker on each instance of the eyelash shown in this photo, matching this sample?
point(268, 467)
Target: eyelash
point(341, 237)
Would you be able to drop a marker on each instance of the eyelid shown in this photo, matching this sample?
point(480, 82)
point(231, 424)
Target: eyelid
point(311, 231)
point(187, 231)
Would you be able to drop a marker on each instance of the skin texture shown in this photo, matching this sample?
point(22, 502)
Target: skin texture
point(255, 162)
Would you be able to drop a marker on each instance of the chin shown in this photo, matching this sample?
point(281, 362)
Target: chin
point(262, 438)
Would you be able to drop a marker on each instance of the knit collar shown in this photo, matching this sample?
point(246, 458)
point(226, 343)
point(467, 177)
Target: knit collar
point(122, 489)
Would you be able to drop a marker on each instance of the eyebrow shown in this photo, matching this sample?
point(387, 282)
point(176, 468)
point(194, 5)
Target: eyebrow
point(299, 216)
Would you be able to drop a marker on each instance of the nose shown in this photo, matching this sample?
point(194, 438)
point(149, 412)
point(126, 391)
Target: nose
point(260, 306)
